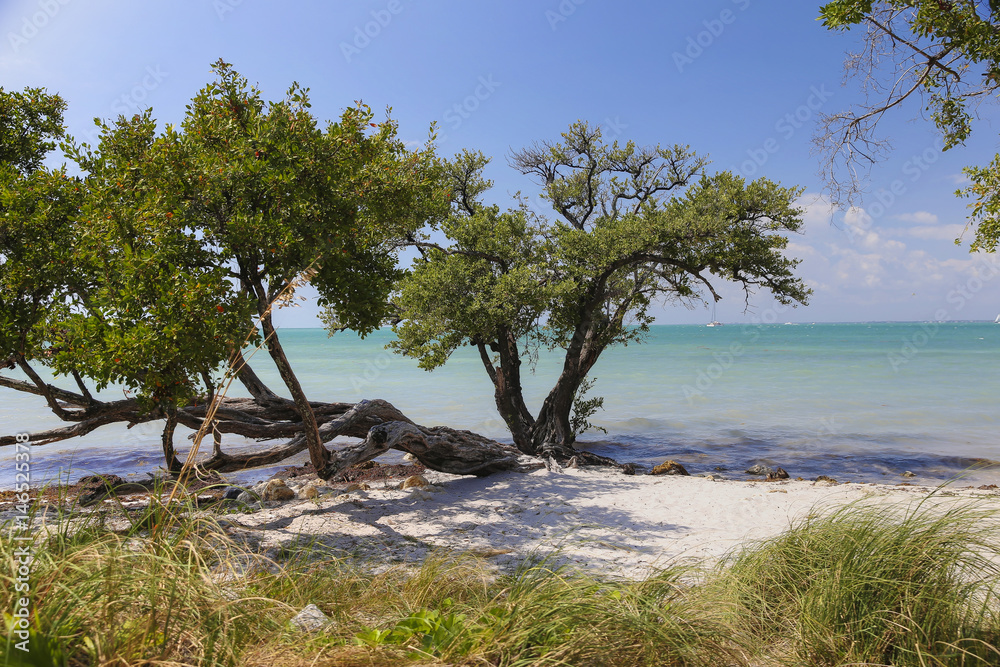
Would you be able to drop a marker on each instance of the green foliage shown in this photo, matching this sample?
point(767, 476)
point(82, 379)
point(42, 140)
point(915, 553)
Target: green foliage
point(864, 585)
point(37, 244)
point(533, 276)
point(967, 37)
point(630, 227)
point(152, 268)
point(38, 650)
point(492, 278)
point(844, 13)
point(985, 191)
point(860, 585)
point(948, 50)
point(36, 206)
point(428, 632)
point(585, 408)
point(30, 123)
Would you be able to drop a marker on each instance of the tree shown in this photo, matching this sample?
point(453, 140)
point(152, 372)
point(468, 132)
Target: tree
point(30, 124)
point(154, 269)
point(946, 52)
point(630, 226)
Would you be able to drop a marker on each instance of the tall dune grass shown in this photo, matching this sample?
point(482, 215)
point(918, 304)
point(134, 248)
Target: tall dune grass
point(858, 586)
point(870, 585)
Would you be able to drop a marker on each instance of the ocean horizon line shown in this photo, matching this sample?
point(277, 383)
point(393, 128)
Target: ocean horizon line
point(736, 323)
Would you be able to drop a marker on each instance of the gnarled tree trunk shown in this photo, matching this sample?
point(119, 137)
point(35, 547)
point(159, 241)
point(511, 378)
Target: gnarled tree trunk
point(377, 423)
point(550, 434)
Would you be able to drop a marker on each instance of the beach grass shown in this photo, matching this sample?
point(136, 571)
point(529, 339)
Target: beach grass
point(873, 585)
point(860, 585)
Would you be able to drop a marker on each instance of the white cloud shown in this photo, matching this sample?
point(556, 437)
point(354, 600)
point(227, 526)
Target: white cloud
point(938, 233)
point(15, 63)
point(802, 251)
point(817, 211)
point(857, 219)
point(927, 232)
point(856, 261)
point(918, 217)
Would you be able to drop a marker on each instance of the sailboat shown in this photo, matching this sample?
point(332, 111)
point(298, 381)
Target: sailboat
point(997, 320)
point(715, 322)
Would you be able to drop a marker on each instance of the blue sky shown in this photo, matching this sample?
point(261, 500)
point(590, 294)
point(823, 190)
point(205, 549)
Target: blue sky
point(738, 80)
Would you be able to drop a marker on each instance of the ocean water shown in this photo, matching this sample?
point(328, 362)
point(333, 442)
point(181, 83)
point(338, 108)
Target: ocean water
point(860, 402)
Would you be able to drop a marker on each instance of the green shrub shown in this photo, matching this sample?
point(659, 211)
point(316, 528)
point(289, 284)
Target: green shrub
point(871, 585)
point(860, 585)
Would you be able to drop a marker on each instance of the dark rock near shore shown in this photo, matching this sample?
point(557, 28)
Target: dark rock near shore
point(759, 469)
point(670, 468)
point(247, 497)
point(778, 473)
point(276, 489)
point(366, 471)
point(98, 480)
point(95, 488)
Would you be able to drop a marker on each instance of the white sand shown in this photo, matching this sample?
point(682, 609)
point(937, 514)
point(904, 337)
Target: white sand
point(600, 520)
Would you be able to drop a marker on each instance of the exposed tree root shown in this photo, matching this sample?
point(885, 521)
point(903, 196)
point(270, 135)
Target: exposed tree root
point(268, 417)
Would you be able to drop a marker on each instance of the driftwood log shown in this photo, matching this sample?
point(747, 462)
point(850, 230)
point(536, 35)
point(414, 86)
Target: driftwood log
point(269, 417)
point(438, 448)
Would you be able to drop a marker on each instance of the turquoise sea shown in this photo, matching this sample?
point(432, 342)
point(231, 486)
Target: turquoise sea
point(860, 402)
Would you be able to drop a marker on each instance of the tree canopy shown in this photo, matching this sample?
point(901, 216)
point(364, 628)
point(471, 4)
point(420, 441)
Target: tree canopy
point(629, 226)
point(946, 52)
point(30, 125)
point(156, 267)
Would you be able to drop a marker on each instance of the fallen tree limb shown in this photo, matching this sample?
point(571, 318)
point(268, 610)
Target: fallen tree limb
point(355, 422)
point(438, 448)
point(377, 423)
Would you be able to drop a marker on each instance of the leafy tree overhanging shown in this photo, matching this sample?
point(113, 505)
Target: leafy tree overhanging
point(150, 270)
point(946, 52)
point(629, 226)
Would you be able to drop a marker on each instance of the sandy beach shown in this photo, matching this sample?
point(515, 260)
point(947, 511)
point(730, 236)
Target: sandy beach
point(353, 565)
point(598, 520)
